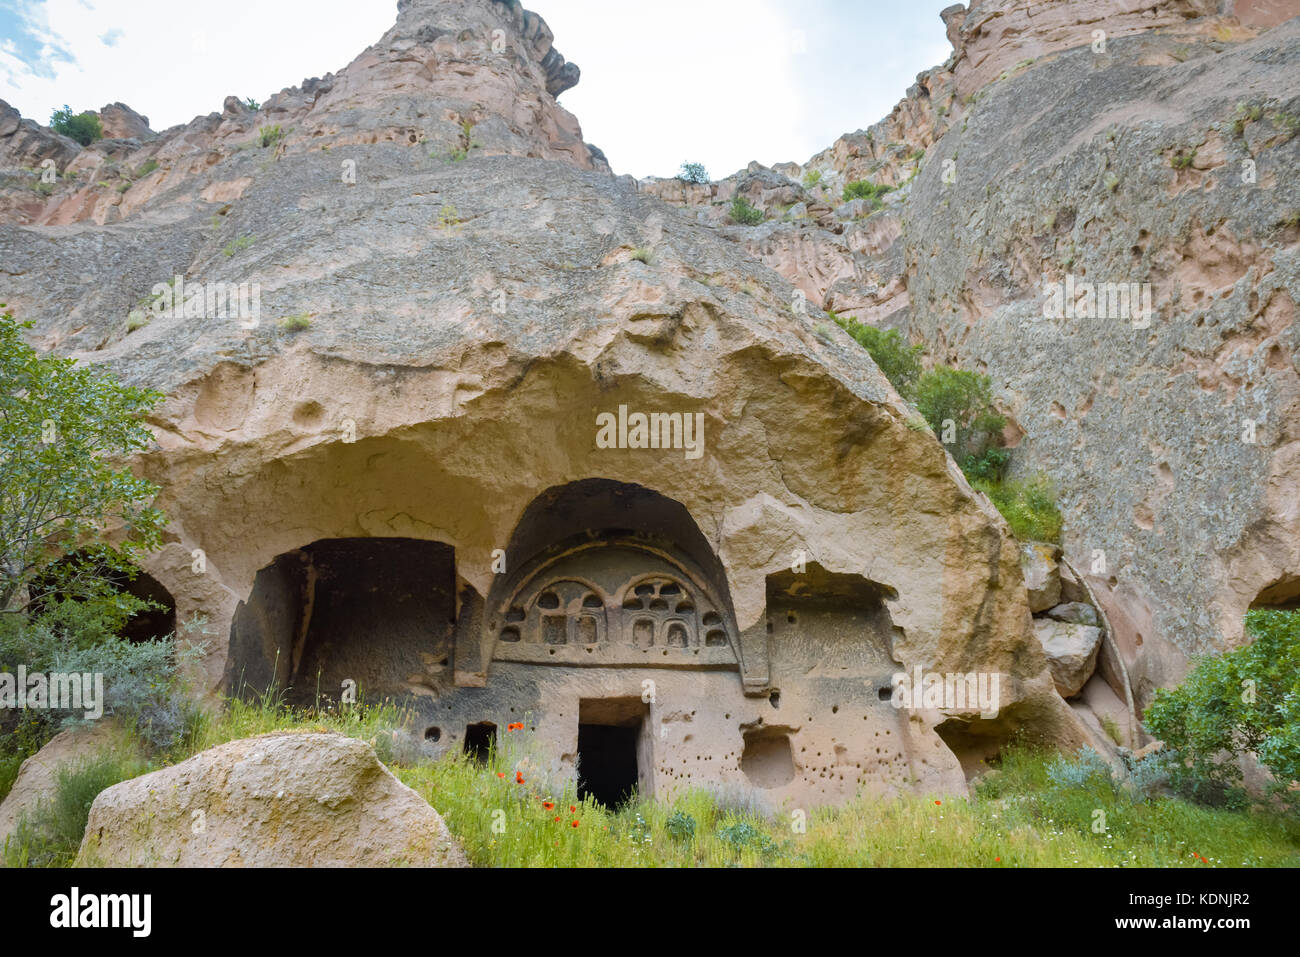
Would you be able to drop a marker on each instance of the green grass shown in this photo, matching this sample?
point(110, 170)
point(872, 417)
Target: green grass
point(50, 835)
point(295, 323)
point(1028, 506)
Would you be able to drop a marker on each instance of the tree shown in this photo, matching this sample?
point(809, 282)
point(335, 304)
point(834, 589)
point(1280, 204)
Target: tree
point(958, 404)
point(85, 128)
point(694, 173)
point(900, 362)
point(1247, 700)
point(62, 424)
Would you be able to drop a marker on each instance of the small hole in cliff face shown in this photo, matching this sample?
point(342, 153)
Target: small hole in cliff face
point(432, 734)
point(774, 699)
point(308, 415)
point(886, 693)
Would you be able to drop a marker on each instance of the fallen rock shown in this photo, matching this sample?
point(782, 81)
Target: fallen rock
point(1076, 613)
point(39, 773)
point(1042, 575)
point(277, 800)
point(1071, 653)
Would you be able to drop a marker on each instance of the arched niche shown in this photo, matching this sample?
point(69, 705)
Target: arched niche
point(606, 573)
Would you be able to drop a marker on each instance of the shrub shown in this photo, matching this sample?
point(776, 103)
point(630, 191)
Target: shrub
point(694, 173)
point(51, 835)
point(295, 323)
point(812, 178)
point(85, 128)
point(270, 135)
point(680, 826)
point(1028, 506)
point(865, 189)
point(237, 245)
point(745, 213)
point(900, 362)
point(146, 168)
point(1246, 700)
point(963, 402)
point(1088, 770)
point(643, 254)
point(742, 835)
point(252, 104)
point(990, 466)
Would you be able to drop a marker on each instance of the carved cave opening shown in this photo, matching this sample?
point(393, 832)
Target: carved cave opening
point(144, 625)
point(480, 740)
point(377, 612)
point(615, 750)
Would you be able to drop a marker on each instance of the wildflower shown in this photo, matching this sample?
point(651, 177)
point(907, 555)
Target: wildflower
point(575, 823)
point(573, 809)
point(557, 819)
point(501, 774)
point(938, 802)
point(519, 777)
point(548, 804)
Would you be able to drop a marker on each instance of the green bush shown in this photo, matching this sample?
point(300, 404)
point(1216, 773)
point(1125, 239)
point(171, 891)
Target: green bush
point(270, 135)
point(865, 189)
point(694, 173)
point(85, 128)
point(900, 362)
point(1247, 700)
point(745, 213)
point(958, 404)
point(1028, 506)
point(812, 178)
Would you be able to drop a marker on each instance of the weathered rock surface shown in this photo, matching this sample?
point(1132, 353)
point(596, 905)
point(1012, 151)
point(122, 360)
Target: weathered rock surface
point(1038, 560)
point(120, 122)
point(439, 326)
point(1071, 652)
point(278, 800)
point(1159, 155)
point(38, 775)
point(1075, 612)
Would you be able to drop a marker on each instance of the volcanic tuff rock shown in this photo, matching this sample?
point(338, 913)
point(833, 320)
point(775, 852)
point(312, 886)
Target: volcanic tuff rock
point(1162, 153)
point(452, 287)
point(278, 800)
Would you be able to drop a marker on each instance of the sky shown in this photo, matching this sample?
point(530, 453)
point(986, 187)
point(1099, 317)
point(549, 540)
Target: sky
point(719, 82)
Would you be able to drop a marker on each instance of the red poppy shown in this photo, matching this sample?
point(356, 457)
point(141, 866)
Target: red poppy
point(557, 820)
point(938, 802)
point(519, 777)
point(501, 774)
point(997, 858)
point(575, 823)
point(548, 804)
point(572, 808)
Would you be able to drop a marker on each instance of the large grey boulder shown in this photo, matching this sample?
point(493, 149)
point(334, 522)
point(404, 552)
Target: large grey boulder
point(1071, 653)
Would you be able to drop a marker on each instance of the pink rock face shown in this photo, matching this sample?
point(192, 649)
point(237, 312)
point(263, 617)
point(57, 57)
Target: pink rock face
point(448, 78)
point(122, 122)
point(995, 35)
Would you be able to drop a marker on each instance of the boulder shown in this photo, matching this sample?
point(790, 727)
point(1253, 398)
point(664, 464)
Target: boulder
point(120, 122)
point(39, 773)
point(1071, 653)
point(1042, 575)
point(1076, 613)
point(277, 800)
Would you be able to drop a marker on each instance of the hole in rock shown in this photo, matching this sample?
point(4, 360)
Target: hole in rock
point(480, 739)
point(615, 750)
point(768, 760)
point(433, 734)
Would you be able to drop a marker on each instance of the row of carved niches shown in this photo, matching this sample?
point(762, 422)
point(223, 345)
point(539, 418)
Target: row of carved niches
point(614, 604)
